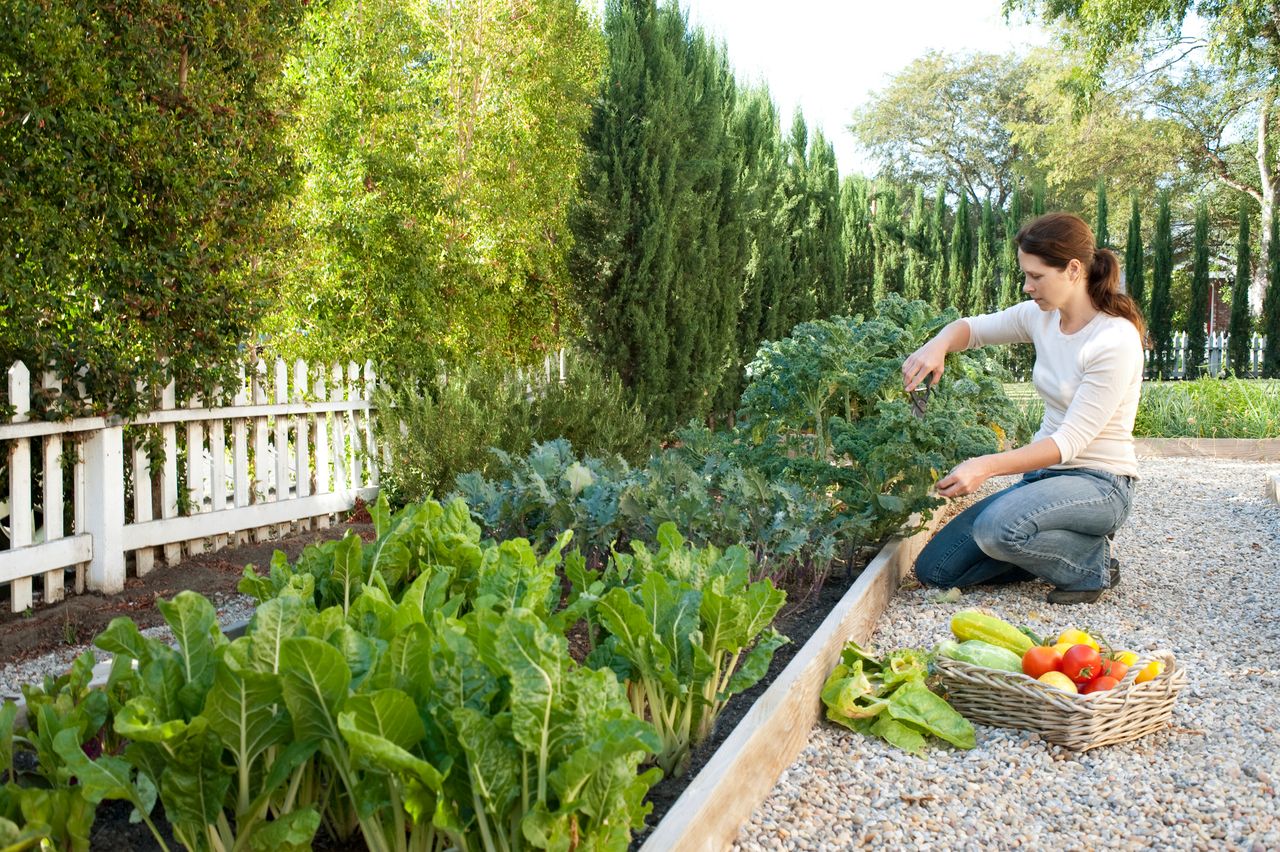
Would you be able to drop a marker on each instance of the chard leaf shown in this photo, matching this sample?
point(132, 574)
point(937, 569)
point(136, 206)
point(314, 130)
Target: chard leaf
point(635, 639)
point(915, 704)
point(493, 760)
point(8, 715)
point(898, 734)
point(104, 778)
point(273, 622)
point(142, 720)
point(345, 581)
point(314, 682)
point(244, 709)
point(754, 665)
point(534, 659)
point(123, 639)
point(194, 786)
point(195, 628)
point(290, 832)
point(388, 714)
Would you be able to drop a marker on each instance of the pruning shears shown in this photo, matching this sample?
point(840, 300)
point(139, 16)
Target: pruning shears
point(920, 399)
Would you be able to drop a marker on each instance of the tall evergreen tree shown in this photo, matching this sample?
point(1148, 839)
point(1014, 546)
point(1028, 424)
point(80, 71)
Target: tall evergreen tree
point(1101, 236)
point(1010, 272)
point(960, 258)
point(1271, 306)
point(915, 273)
point(825, 226)
point(984, 287)
point(1037, 199)
point(800, 302)
point(1133, 256)
point(657, 256)
point(936, 289)
point(1239, 330)
point(859, 242)
point(888, 241)
point(1198, 310)
point(1161, 285)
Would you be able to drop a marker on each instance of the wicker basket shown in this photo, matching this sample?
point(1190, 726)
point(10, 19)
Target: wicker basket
point(1077, 722)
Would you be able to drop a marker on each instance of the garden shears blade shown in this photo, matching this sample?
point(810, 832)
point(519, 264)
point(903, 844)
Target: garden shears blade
point(920, 400)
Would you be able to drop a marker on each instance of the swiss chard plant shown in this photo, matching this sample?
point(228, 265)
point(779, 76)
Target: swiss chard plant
point(689, 632)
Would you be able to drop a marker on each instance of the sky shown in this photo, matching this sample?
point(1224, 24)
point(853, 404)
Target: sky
point(830, 56)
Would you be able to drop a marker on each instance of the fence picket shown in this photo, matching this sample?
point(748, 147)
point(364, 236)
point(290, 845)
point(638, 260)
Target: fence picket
point(282, 423)
point(54, 580)
point(339, 449)
point(371, 457)
point(195, 472)
point(21, 522)
point(79, 496)
point(323, 479)
point(218, 469)
point(261, 450)
point(169, 473)
point(354, 394)
point(240, 454)
point(144, 557)
point(302, 439)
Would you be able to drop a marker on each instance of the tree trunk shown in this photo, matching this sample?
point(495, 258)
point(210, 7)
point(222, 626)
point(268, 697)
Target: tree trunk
point(1268, 181)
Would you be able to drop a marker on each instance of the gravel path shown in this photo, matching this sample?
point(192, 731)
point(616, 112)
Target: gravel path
point(1201, 563)
point(231, 608)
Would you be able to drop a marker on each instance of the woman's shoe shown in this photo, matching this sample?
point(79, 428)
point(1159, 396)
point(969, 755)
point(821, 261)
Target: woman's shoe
point(1062, 596)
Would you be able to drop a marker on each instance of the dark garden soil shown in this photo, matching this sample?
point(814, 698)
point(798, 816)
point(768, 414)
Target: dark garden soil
point(79, 618)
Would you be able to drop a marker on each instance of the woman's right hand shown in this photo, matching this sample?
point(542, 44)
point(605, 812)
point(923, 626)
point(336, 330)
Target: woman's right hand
point(927, 362)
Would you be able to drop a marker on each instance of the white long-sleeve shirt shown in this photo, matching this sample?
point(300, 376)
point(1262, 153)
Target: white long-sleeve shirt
point(1089, 381)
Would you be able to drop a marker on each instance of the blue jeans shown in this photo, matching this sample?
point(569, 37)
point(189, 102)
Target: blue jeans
point(1051, 524)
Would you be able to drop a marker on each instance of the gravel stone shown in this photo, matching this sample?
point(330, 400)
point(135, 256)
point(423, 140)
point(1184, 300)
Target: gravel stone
point(1201, 577)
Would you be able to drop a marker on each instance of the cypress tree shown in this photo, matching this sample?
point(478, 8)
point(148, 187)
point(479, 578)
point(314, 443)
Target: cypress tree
point(825, 225)
point(915, 274)
point(1238, 344)
point(799, 302)
point(1101, 236)
point(983, 288)
point(1133, 272)
point(1198, 311)
point(1161, 284)
point(1271, 305)
point(860, 252)
point(960, 260)
point(1037, 199)
point(936, 286)
point(1010, 272)
point(888, 243)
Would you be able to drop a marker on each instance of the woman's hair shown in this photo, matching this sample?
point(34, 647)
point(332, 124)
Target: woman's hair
point(1057, 238)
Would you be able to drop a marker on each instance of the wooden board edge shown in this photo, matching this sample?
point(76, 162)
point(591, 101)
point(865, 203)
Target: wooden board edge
point(711, 811)
point(1241, 449)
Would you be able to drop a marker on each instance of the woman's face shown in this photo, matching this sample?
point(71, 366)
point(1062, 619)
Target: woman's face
point(1049, 287)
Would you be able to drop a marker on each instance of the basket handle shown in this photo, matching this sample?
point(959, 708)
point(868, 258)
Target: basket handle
point(1163, 656)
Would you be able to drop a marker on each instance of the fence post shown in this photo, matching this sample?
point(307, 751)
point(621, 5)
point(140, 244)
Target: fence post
point(104, 511)
point(22, 527)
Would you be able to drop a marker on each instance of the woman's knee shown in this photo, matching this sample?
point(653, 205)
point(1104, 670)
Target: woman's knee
point(997, 537)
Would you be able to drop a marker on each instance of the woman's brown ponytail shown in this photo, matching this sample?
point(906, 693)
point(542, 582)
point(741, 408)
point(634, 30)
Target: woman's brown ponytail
point(1058, 238)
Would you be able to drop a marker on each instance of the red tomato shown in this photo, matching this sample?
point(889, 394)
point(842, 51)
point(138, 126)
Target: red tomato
point(1115, 669)
point(1081, 663)
point(1101, 683)
point(1041, 659)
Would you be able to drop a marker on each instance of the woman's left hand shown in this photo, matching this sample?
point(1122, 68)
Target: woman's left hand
point(965, 478)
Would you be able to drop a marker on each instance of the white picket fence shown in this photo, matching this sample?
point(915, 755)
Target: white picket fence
point(291, 449)
point(1214, 355)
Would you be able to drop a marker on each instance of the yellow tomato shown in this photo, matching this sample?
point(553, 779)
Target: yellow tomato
point(1058, 681)
point(1149, 671)
point(1126, 657)
point(1077, 637)
point(1063, 647)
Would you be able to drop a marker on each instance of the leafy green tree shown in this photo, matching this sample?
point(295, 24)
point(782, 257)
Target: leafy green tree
point(960, 258)
point(1133, 254)
point(984, 287)
point(1037, 199)
point(825, 225)
point(935, 293)
point(1161, 283)
point(1239, 329)
point(888, 242)
point(1271, 306)
point(658, 251)
point(1198, 310)
point(859, 241)
point(1010, 272)
point(142, 158)
point(1101, 236)
point(915, 275)
point(800, 301)
point(949, 120)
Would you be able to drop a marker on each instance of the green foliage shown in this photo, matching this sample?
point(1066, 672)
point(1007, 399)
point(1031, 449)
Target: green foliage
point(826, 407)
point(1133, 256)
point(960, 259)
point(690, 631)
point(935, 293)
point(1010, 272)
point(1161, 311)
point(1209, 408)
point(143, 155)
point(983, 288)
point(915, 276)
point(1101, 235)
point(860, 252)
point(889, 244)
point(659, 242)
point(1241, 326)
point(443, 430)
point(1198, 309)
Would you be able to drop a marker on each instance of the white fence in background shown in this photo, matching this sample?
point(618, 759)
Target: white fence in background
point(1215, 355)
point(292, 448)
